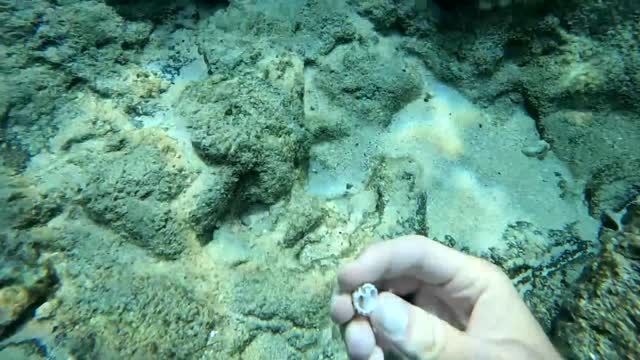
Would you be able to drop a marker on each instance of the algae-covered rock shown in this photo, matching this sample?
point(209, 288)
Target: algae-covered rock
point(588, 140)
point(410, 17)
point(535, 53)
point(601, 147)
point(572, 69)
point(86, 29)
point(401, 200)
point(284, 302)
point(25, 205)
point(601, 319)
point(62, 47)
point(160, 10)
point(303, 216)
point(268, 346)
point(14, 300)
point(542, 263)
point(323, 26)
point(612, 186)
point(197, 237)
point(210, 200)
point(631, 218)
point(130, 191)
point(382, 13)
point(23, 351)
point(245, 31)
point(26, 279)
point(368, 83)
point(253, 126)
point(132, 314)
point(266, 295)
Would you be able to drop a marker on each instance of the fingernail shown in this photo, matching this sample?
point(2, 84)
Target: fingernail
point(392, 317)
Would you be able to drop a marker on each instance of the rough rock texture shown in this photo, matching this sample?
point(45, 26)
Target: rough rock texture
point(253, 126)
point(391, 15)
point(602, 318)
point(369, 84)
point(310, 28)
point(497, 4)
point(613, 185)
point(160, 11)
point(401, 202)
point(586, 138)
point(208, 205)
point(122, 305)
point(130, 190)
point(46, 51)
point(256, 300)
point(602, 147)
point(26, 279)
point(303, 217)
point(543, 265)
point(23, 351)
point(573, 65)
point(153, 165)
point(26, 206)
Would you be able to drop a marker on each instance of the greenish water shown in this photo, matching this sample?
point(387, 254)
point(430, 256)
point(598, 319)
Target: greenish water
point(182, 179)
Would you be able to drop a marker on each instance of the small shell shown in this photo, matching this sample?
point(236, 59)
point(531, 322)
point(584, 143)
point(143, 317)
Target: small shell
point(538, 149)
point(365, 299)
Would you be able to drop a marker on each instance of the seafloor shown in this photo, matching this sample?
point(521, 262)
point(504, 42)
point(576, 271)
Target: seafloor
point(181, 179)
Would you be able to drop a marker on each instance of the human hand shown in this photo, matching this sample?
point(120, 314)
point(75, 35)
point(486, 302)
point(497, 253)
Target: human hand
point(463, 307)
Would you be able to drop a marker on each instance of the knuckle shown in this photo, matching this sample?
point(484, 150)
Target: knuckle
point(492, 270)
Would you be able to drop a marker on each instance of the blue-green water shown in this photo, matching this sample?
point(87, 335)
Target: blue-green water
point(182, 179)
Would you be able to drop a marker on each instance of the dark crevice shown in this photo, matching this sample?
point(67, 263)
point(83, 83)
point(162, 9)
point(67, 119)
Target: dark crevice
point(608, 222)
point(410, 297)
point(380, 203)
point(421, 227)
point(160, 11)
point(515, 50)
point(535, 114)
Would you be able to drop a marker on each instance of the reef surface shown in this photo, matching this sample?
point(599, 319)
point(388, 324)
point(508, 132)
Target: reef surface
point(181, 179)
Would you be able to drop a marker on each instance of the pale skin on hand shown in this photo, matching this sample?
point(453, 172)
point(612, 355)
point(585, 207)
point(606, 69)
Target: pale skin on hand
point(464, 307)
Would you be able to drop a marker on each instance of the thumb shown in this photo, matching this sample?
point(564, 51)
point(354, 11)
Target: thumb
point(416, 333)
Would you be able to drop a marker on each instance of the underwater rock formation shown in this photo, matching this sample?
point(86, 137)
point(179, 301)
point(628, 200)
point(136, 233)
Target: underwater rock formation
point(181, 179)
point(369, 83)
point(401, 201)
point(252, 126)
point(48, 50)
point(26, 281)
point(602, 318)
point(542, 265)
point(571, 66)
point(130, 190)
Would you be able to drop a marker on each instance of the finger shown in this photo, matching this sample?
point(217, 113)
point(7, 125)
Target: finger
point(456, 317)
point(427, 260)
point(377, 354)
point(359, 338)
point(418, 334)
point(341, 309)
point(401, 286)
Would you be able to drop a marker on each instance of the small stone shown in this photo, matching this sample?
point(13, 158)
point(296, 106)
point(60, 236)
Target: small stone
point(14, 300)
point(538, 150)
point(46, 310)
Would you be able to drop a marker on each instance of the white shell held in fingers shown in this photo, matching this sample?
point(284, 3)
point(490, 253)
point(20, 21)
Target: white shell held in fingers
point(365, 299)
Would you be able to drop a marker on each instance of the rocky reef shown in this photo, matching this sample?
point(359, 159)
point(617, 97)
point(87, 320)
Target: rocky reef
point(181, 179)
point(602, 318)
